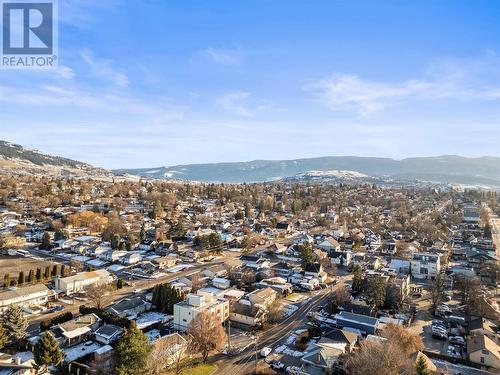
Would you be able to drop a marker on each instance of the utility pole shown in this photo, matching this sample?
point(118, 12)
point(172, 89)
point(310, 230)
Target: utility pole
point(228, 337)
point(255, 348)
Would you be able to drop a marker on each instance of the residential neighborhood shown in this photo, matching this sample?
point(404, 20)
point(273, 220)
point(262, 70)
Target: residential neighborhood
point(259, 278)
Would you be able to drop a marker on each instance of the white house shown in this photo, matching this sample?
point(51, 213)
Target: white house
point(32, 295)
point(82, 280)
point(425, 265)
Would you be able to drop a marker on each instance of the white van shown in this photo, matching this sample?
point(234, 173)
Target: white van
point(264, 352)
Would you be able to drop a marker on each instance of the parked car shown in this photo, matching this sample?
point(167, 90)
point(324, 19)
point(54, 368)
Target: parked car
point(457, 340)
point(277, 365)
point(264, 352)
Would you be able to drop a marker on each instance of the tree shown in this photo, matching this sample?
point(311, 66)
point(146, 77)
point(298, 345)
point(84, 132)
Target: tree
point(467, 286)
point(437, 291)
point(375, 293)
point(206, 334)
point(32, 277)
point(96, 294)
point(339, 297)
point(167, 355)
point(376, 358)
point(131, 353)
point(165, 296)
point(421, 366)
point(357, 279)
point(15, 323)
point(275, 312)
point(158, 212)
point(38, 274)
point(120, 283)
point(3, 336)
point(46, 241)
point(306, 254)
point(22, 278)
point(6, 280)
point(47, 351)
point(408, 341)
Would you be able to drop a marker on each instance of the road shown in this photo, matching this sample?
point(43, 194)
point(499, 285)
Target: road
point(244, 362)
point(117, 294)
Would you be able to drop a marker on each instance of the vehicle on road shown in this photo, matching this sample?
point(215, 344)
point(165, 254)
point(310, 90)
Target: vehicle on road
point(264, 352)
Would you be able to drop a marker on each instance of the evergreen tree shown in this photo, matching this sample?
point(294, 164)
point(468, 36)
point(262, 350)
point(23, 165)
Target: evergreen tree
point(131, 354)
point(54, 270)
point(375, 295)
point(6, 280)
point(357, 279)
point(421, 366)
point(158, 212)
point(47, 351)
point(3, 336)
point(47, 273)
point(38, 274)
point(15, 323)
point(63, 270)
point(46, 241)
point(22, 278)
point(32, 277)
point(306, 254)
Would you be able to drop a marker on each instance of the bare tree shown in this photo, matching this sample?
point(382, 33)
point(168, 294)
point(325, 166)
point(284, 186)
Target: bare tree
point(275, 312)
point(376, 358)
point(437, 291)
point(206, 334)
point(96, 294)
point(167, 355)
point(408, 341)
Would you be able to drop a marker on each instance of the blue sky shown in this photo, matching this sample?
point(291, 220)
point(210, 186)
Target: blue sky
point(150, 83)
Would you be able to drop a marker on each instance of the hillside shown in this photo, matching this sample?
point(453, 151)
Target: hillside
point(20, 160)
point(449, 169)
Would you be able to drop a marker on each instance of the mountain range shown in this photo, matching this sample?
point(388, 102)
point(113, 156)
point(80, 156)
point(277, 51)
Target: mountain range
point(445, 169)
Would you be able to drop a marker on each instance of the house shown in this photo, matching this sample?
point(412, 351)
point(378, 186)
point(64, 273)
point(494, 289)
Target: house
point(80, 281)
point(246, 314)
point(425, 265)
point(131, 258)
point(276, 248)
point(22, 363)
point(221, 283)
point(33, 295)
point(108, 334)
point(262, 297)
point(320, 361)
point(363, 323)
point(315, 270)
point(483, 351)
point(341, 258)
point(480, 326)
point(77, 330)
point(129, 307)
point(278, 284)
point(329, 244)
point(284, 227)
point(339, 339)
point(254, 262)
point(187, 310)
point(166, 261)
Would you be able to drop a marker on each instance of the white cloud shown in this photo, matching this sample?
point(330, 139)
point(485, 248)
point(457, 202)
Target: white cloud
point(456, 80)
point(223, 56)
point(241, 103)
point(104, 69)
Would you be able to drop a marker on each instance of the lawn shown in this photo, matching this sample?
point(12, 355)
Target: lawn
point(201, 369)
point(294, 297)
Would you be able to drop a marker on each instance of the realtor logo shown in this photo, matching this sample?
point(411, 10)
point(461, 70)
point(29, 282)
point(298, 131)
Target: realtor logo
point(29, 34)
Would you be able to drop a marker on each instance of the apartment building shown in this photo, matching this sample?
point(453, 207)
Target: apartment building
point(186, 311)
point(425, 265)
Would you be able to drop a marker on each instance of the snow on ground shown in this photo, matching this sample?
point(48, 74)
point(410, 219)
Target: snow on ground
point(148, 319)
point(79, 351)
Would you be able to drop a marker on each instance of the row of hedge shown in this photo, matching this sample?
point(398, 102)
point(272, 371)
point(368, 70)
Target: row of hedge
point(61, 318)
